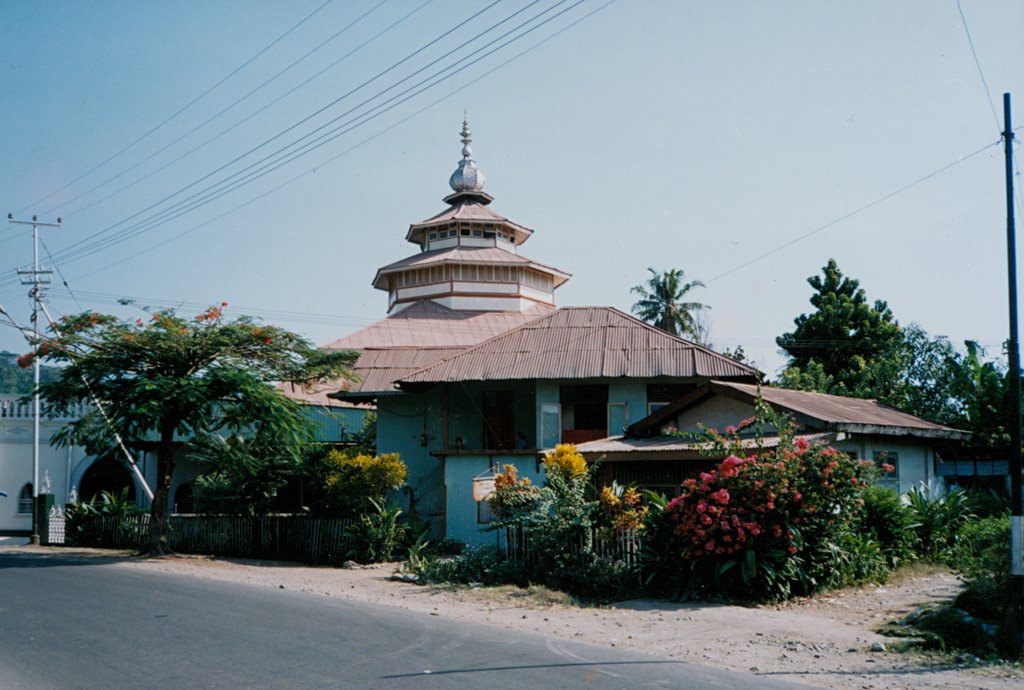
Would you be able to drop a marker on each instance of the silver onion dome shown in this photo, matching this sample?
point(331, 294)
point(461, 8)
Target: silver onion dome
point(466, 177)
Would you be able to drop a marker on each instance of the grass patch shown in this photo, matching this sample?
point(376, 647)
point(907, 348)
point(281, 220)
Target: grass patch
point(942, 628)
point(534, 595)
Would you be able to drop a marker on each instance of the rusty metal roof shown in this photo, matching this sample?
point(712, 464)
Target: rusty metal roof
point(491, 256)
point(317, 394)
point(658, 444)
point(835, 412)
point(377, 370)
point(428, 324)
point(583, 342)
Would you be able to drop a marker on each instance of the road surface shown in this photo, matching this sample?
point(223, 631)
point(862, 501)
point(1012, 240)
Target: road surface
point(69, 622)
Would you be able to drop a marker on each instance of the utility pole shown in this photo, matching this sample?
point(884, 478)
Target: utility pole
point(1013, 351)
point(37, 277)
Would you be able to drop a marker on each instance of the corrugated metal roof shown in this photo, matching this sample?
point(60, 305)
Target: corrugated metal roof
point(317, 394)
point(377, 370)
point(655, 444)
point(490, 256)
point(583, 342)
point(835, 412)
point(481, 255)
point(428, 324)
point(468, 211)
point(468, 208)
point(835, 408)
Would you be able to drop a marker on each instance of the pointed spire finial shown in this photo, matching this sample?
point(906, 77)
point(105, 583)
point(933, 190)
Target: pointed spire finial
point(466, 177)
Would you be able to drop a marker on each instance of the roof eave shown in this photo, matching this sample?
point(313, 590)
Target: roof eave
point(915, 432)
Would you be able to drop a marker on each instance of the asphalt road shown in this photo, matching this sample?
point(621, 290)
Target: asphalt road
point(86, 623)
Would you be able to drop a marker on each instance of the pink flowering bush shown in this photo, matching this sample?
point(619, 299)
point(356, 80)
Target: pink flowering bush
point(766, 523)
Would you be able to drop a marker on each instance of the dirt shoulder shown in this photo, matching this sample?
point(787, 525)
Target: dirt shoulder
point(822, 641)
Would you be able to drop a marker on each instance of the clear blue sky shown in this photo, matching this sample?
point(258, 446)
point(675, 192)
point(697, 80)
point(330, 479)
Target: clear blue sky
point(693, 135)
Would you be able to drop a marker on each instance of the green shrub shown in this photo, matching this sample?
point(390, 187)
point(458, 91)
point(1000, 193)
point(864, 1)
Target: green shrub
point(937, 518)
point(856, 559)
point(987, 503)
point(889, 522)
point(763, 526)
point(481, 564)
point(378, 534)
point(558, 522)
point(982, 557)
point(81, 527)
point(246, 476)
point(353, 482)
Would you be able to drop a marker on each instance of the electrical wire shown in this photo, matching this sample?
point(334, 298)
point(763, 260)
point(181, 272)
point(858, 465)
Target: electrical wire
point(286, 130)
point(988, 99)
point(182, 109)
point(851, 214)
point(78, 251)
point(977, 63)
point(357, 145)
point(210, 119)
point(284, 157)
point(60, 273)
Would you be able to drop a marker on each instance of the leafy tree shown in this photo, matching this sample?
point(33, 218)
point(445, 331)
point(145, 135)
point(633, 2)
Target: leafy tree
point(984, 392)
point(854, 344)
point(172, 379)
point(14, 379)
point(246, 474)
point(661, 304)
point(738, 354)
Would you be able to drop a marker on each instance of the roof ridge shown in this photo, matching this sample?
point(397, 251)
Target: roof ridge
point(689, 343)
point(481, 344)
point(533, 323)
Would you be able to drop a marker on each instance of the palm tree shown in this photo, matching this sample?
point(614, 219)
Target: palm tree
point(661, 303)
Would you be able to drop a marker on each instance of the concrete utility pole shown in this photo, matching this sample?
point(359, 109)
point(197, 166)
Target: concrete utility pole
point(1013, 352)
point(37, 277)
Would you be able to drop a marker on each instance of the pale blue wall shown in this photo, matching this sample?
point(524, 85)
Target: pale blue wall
point(462, 509)
point(634, 395)
point(401, 421)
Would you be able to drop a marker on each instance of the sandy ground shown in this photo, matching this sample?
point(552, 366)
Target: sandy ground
point(823, 641)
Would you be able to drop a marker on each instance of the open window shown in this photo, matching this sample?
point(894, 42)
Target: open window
point(499, 420)
point(584, 412)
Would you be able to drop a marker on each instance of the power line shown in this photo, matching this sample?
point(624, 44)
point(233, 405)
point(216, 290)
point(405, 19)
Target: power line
point(977, 63)
point(288, 129)
point(183, 108)
point(988, 99)
point(56, 266)
point(212, 193)
point(283, 156)
point(857, 211)
point(357, 145)
point(225, 110)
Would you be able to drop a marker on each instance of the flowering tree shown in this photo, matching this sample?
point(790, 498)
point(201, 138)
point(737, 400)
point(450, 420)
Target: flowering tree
point(172, 378)
point(765, 523)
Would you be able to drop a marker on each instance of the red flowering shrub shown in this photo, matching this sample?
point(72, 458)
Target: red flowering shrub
point(762, 525)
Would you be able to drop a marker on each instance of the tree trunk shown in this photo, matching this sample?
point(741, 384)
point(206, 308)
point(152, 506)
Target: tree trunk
point(158, 545)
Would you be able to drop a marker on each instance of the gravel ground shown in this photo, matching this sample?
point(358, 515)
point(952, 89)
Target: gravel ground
point(824, 641)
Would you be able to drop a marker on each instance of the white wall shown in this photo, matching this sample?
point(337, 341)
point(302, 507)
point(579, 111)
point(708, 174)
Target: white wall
point(16, 467)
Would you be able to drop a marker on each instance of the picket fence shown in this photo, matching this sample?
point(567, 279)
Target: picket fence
point(622, 545)
point(284, 538)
